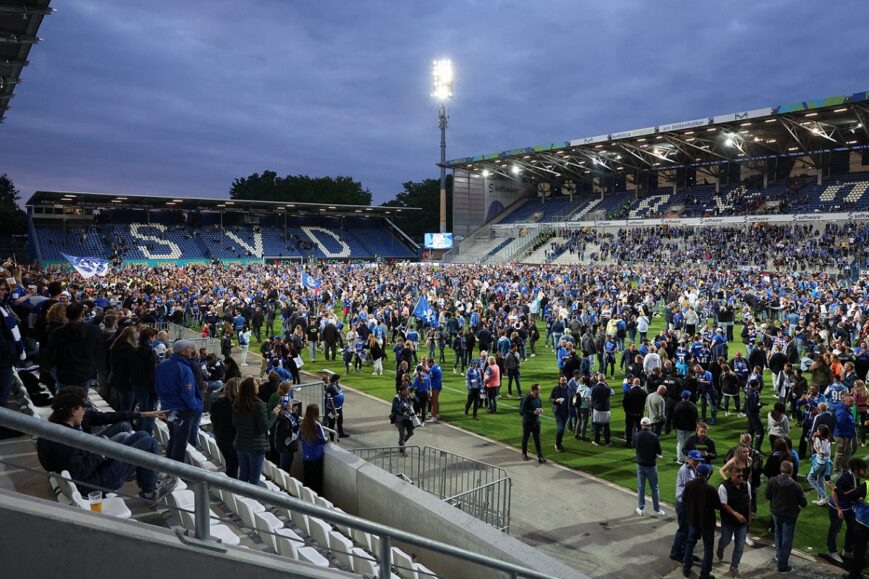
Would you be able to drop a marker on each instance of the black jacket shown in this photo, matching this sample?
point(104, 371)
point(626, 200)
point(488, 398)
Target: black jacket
point(221, 420)
point(685, 416)
point(634, 401)
point(786, 497)
point(81, 464)
point(121, 355)
point(72, 350)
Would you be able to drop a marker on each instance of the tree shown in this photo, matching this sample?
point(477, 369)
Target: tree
point(300, 188)
point(13, 218)
point(426, 195)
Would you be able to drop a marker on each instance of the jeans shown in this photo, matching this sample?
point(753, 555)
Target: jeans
point(560, 424)
point(677, 551)
point(313, 346)
point(181, 427)
point(599, 427)
point(492, 398)
point(230, 458)
point(707, 397)
point(817, 476)
point(682, 437)
point(737, 533)
point(405, 430)
point(114, 473)
point(145, 401)
point(86, 385)
point(421, 404)
point(784, 540)
point(836, 526)
point(695, 534)
point(647, 473)
point(845, 448)
point(250, 466)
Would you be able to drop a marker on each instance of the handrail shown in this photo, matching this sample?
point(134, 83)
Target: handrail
point(201, 479)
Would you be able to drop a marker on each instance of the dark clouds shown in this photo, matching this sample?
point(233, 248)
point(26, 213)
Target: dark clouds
point(173, 98)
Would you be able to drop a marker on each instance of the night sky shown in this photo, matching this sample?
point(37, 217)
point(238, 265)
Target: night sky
point(179, 98)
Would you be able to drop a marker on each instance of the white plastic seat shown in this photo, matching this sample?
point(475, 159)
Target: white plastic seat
point(308, 495)
point(342, 549)
point(320, 532)
point(325, 503)
point(403, 564)
point(113, 506)
point(246, 509)
point(362, 539)
point(423, 572)
point(299, 519)
point(214, 452)
point(202, 440)
point(344, 529)
point(295, 550)
point(364, 563)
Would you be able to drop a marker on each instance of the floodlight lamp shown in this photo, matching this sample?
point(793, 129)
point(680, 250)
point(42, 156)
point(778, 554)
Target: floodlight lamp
point(486, 172)
point(729, 142)
point(515, 169)
point(442, 74)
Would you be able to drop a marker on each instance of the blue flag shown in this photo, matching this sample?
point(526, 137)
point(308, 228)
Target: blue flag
point(310, 281)
point(88, 266)
point(424, 312)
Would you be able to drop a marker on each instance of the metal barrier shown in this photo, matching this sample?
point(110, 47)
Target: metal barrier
point(176, 332)
point(200, 480)
point(311, 393)
point(478, 488)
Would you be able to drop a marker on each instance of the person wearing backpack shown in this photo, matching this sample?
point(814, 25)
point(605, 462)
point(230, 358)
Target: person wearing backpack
point(530, 408)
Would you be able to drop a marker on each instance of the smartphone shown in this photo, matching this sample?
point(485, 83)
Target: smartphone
point(285, 401)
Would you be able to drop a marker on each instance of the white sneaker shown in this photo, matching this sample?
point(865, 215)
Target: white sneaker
point(659, 513)
point(821, 502)
point(742, 414)
point(640, 512)
point(726, 413)
point(748, 541)
point(836, 558)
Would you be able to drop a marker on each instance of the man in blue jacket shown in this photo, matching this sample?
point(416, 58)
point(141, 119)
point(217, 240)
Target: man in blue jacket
point(180, 398)
point(845, 434)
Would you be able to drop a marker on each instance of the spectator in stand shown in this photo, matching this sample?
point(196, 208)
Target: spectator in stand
point(143, 364)
point(313, 439)
point(122, 353)
point(252, 422)
point(180, 397)
point(68, 409)
point(72, 350)
point(786, 498)
point(222, 426)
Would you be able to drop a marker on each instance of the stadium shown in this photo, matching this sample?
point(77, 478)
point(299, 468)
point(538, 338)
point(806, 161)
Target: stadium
point(195, 386)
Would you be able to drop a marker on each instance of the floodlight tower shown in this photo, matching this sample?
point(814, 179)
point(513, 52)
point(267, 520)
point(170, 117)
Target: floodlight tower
point(443, 92)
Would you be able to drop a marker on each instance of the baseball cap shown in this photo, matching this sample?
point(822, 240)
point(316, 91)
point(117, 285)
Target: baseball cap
point(180, 345)
point(686, 394)
point(695, 455)
point(704, 469)
point(646, 421)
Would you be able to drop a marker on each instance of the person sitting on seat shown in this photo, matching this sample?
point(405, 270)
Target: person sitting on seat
point(89, 469)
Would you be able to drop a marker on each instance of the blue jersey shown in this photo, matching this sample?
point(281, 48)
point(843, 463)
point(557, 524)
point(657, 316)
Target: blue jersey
point(834, 394)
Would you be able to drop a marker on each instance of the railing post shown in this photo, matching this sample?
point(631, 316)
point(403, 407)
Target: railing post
point(202, 511)
point(385, 557)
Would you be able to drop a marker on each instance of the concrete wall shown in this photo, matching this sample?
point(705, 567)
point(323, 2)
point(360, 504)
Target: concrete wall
point(372, 493)
point(51, 540)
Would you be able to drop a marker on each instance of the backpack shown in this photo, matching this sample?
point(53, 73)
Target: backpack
point(522, 405)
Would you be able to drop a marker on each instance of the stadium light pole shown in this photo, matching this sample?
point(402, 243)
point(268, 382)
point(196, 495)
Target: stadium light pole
point(443, 91)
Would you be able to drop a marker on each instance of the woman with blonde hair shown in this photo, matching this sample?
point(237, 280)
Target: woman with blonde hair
point(313, 440)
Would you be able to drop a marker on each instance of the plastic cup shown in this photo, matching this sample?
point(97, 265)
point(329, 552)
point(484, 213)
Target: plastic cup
point(96, 501)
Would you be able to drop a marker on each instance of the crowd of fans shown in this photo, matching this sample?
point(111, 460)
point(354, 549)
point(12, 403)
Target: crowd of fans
point(809, 329)
point(800, 247)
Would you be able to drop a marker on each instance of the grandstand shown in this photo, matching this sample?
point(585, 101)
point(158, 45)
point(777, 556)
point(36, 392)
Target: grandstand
point(803, 161)
point(151, 229)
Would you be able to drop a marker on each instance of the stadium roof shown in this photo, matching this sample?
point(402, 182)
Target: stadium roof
point(147, 202)
point(804, 129)
point(19, 22)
